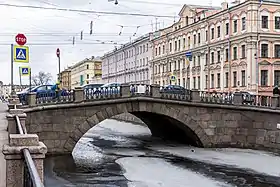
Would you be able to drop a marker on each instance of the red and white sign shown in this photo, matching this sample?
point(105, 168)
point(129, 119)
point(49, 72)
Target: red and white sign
point(21, 39)
point(57, 52)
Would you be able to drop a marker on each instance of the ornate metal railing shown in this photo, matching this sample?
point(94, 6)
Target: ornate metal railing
point(31, 176)
point(64, 96)
point(133, 90)
point(102, 93)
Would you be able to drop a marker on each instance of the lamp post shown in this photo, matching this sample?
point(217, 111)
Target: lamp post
point(58, 57)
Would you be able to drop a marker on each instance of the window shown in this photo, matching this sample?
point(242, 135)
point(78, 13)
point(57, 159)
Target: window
point(235, 26)
point(198, 82)
point(277, 51)
point(218, 56)
point(212, 58)
point(184, 82)
point(159, 51)
point(179, 45)
point(188, 83)
point(277, 22)
point(243, 23)
point(243, 78)
point(144, 48)
point(219, 31)
point(264, 50)
point(87, 66)
point(147, 47)
point(227, 55)
point(265, 22)
point(198, 38)
point(163, 49)
point(264, 77)
point(198, 60)
point(206, 58)
point(206, 36)
point(170, 66)
point(276, 77)
point(187, 20)
point(156, 51)
point(212, 80)
point(189, 41)
point(212, 33)
point(194, 61)
point(227, 28)
point(170, 47)
point(194, 81)
point(175, 46)
point(226, 77)
point(235, 53)
point(184, 43)
point(194, 39)
point(218, 80)
point(234, 79)
point(243, 51)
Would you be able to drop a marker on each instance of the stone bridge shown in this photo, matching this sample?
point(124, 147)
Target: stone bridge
point(193, 121)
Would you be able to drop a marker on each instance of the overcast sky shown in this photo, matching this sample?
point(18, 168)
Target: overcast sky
point(52, 28)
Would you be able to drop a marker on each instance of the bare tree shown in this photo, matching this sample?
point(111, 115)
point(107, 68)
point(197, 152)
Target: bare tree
point(41, 78)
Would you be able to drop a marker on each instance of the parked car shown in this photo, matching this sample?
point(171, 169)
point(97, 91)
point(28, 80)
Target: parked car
point(173, 89)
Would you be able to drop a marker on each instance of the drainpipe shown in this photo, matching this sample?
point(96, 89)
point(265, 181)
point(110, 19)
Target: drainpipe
point(229, 50)
point(209, 55)
point(257, 51)
point(135, 63)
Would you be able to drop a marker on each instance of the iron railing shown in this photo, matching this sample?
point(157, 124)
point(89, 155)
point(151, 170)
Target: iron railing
point(31, 176)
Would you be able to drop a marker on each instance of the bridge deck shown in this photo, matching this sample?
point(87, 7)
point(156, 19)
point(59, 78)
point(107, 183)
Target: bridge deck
point(3, 140)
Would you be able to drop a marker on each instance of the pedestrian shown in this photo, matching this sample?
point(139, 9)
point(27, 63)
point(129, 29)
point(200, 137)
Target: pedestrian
point(276, 90)
point(56, 89)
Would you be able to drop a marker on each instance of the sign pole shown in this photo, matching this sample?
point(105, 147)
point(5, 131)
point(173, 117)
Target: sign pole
point(20, 76)
point(12, 69)
point(29, 79)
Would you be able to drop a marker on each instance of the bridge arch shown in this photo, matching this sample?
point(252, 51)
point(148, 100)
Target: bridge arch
point(163, 120)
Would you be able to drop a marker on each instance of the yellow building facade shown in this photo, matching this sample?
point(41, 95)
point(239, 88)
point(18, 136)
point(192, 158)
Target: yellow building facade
point(84, 71)
point(66, 78)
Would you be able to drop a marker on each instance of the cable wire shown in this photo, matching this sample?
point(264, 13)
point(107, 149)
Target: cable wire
point(85, 11)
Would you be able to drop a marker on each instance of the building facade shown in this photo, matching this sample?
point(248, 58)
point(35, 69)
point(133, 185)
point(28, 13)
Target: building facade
point(66, 78)
point(83, 72)
point(232, 48)
point(129, 63)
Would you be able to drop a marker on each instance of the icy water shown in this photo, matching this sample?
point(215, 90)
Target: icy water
point(120, 154)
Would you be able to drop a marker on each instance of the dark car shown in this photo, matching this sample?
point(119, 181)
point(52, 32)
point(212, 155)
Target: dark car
point(173, 89)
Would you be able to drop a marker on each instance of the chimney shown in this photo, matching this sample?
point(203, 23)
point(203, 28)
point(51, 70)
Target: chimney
point(224, 5)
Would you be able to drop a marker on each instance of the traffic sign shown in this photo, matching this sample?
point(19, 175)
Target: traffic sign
point(21, 39)
point(21, 54)
point(173, 78)
point(57, 52)
point(25, 71)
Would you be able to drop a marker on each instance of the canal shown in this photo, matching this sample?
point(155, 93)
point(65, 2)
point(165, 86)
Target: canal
point(121, 154)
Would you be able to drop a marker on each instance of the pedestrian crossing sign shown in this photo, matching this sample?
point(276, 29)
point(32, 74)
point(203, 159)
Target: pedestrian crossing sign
point(24, 71)
point(21, 54)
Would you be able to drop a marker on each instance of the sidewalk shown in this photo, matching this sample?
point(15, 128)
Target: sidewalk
point(3, 140)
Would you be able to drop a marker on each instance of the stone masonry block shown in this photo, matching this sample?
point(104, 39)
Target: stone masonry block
point(24, 140)
point(92, 121)
point(84, 127)
point(70, 144)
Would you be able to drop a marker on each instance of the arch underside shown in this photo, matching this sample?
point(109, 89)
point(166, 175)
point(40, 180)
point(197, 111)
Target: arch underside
point(164, 122)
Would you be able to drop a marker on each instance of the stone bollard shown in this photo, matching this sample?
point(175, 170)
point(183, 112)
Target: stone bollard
point(195, 95)
point(31, 99)
point(237, 99)
point(12, 126)
point(125, 90)
point(79, 95)
point(155, 91)
point(15, 162)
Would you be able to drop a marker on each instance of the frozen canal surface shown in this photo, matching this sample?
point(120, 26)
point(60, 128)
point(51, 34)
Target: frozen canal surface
point(122, 154)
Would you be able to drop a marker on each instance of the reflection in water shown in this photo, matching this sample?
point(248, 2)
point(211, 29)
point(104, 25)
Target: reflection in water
point(122, 154)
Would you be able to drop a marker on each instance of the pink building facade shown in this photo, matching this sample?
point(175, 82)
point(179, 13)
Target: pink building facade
point(233, 48)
